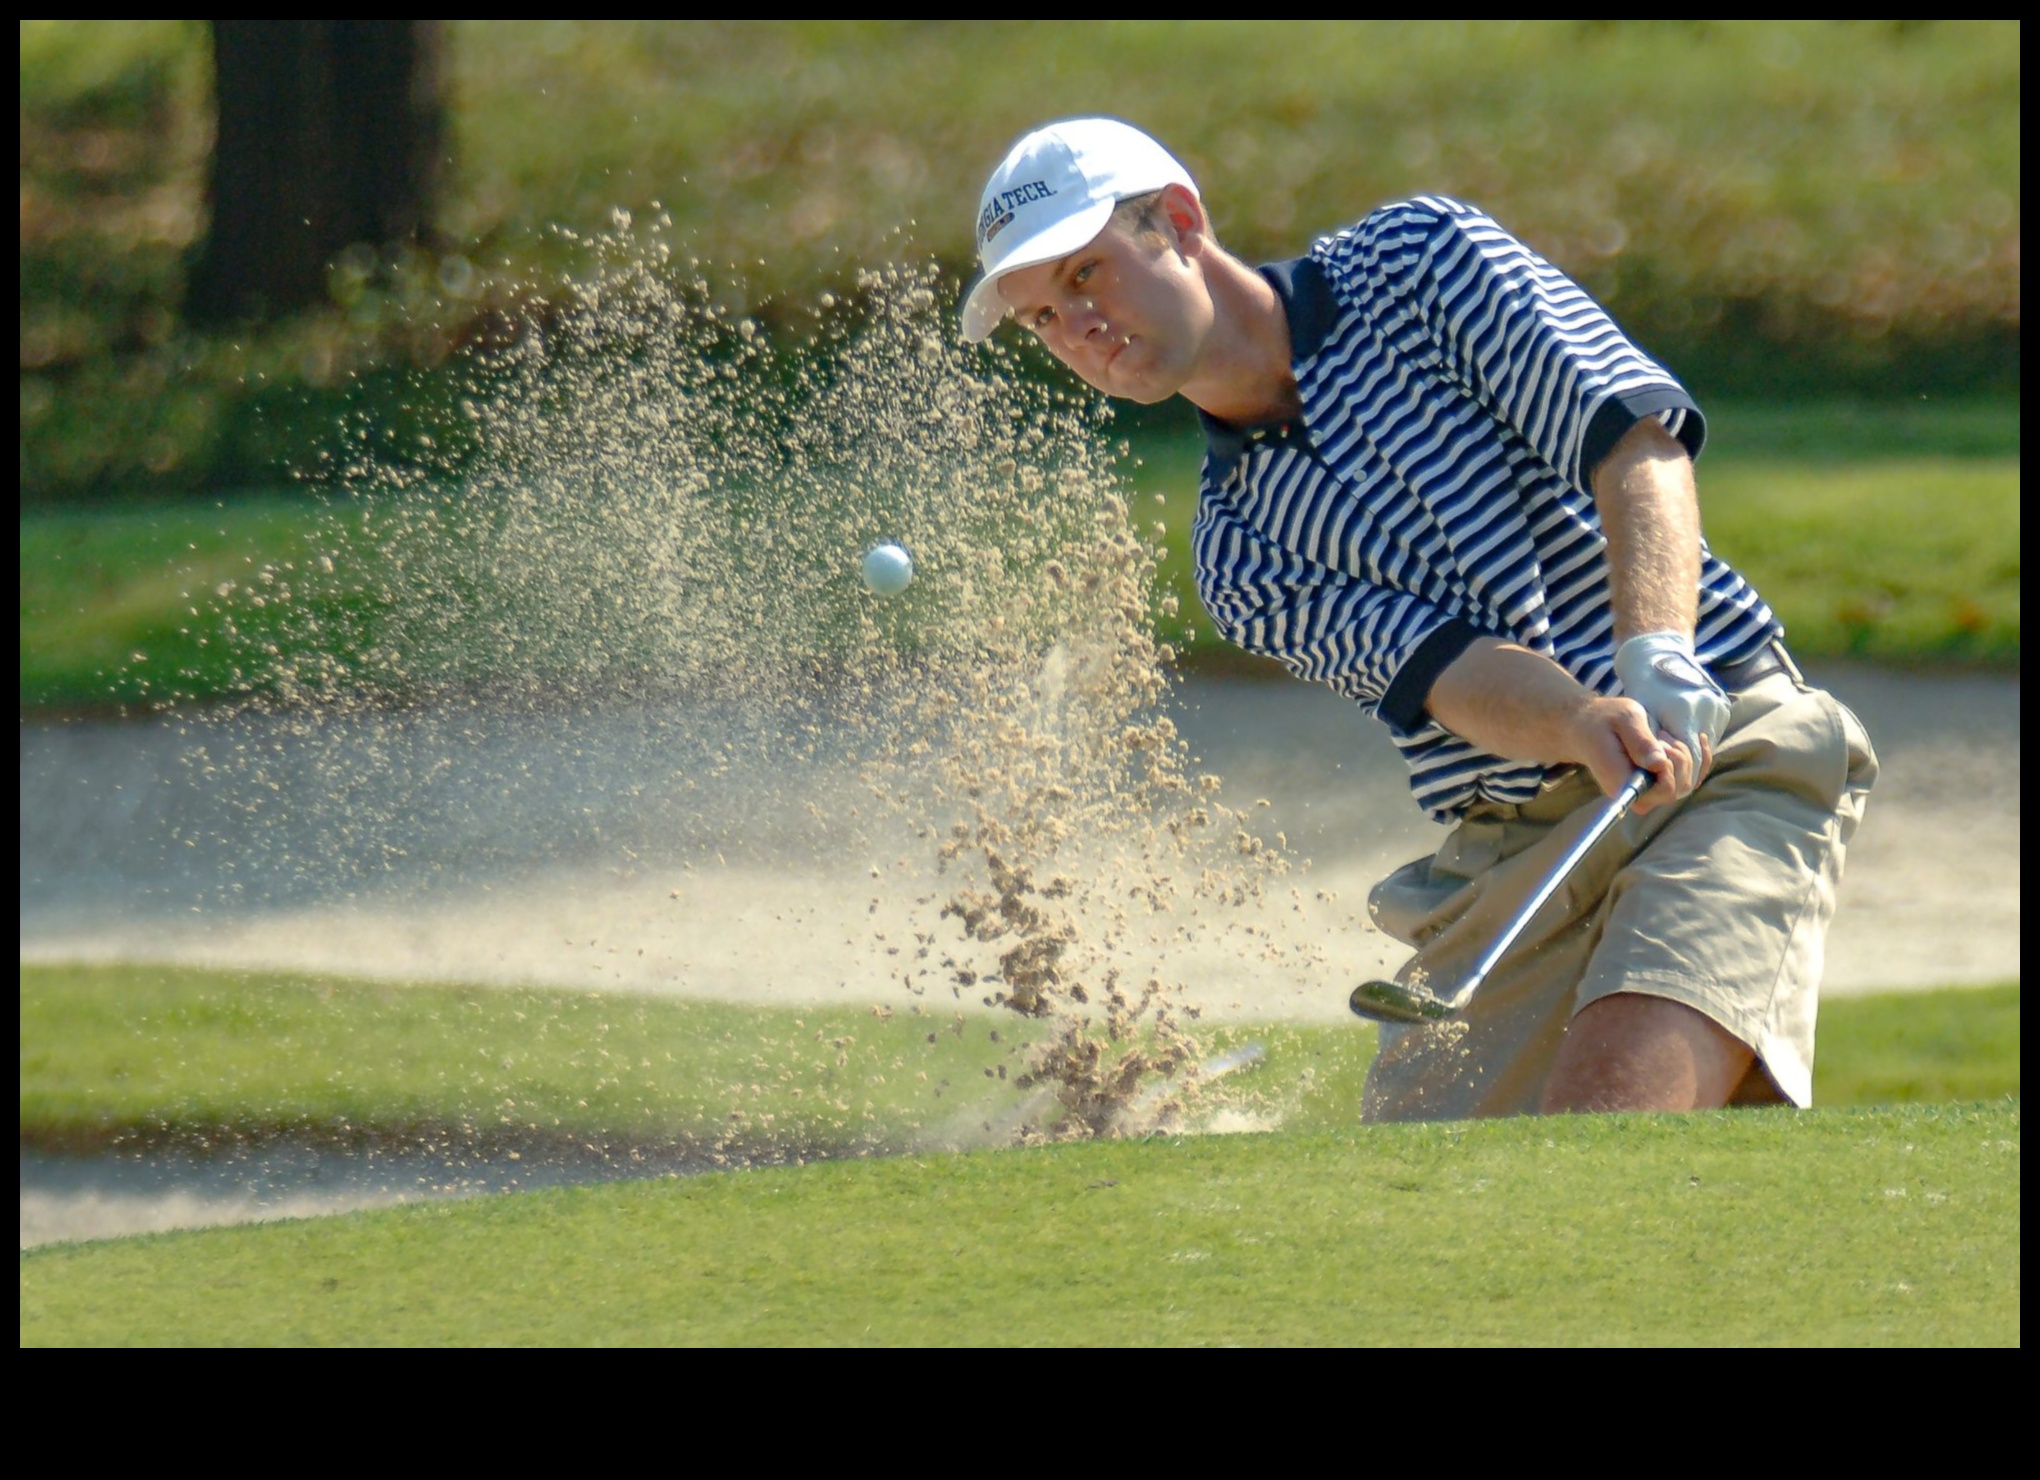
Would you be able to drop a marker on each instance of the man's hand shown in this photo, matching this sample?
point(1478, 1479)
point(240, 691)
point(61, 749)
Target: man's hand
point(1516, 703)
point(1612, 737)
point(1658, 670)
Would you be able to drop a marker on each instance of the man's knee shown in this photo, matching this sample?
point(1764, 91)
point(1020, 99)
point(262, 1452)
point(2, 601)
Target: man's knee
point(1630, 1051)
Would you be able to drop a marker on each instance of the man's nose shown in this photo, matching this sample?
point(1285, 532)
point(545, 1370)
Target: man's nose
point(1080, 319)
point(1081, 322)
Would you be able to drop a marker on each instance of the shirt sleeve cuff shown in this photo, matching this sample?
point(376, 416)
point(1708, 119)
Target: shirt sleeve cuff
point(1410, 690)
point(1625, 409)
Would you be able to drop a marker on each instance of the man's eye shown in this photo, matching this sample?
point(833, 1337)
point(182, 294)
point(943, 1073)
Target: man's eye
point(1077, 277)
point(1041, 320)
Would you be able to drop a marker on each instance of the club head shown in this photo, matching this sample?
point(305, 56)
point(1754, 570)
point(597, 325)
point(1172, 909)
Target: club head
point(1389, 1002)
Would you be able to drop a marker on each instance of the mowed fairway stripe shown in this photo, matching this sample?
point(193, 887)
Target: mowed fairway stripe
point(1755, 1228)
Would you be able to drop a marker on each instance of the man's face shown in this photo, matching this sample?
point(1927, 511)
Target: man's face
point(1130, 312)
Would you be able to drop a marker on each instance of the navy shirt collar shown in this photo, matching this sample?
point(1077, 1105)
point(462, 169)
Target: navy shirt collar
point(1307, 301)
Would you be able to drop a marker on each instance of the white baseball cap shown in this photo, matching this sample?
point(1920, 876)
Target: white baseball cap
point(1054, 191)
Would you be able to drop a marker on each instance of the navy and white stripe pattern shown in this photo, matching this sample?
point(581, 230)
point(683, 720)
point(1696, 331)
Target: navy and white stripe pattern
point(1458, 392)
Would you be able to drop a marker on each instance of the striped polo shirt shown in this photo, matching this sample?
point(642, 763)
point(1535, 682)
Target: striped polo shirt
point(1458, 392)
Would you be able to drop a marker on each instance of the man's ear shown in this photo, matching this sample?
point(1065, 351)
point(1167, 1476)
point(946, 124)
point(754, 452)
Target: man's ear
point(1188, 224)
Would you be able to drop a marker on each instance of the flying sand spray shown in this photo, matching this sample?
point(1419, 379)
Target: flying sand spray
point(653, 520)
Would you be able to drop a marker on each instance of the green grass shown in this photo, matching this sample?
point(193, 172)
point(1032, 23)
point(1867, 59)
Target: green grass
point(1887, 1227)
point(139, 605)
point(1907, 562)
point(130, 1054)
point(1831, 431)
point(1865, 1225)
point(1919, 1048)
point(122, 1055)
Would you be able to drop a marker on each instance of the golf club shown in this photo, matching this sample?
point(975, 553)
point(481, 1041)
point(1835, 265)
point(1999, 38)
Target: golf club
point(1392, 1002)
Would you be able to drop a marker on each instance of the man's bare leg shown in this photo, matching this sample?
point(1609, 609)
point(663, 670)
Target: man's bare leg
point(1632, 1052)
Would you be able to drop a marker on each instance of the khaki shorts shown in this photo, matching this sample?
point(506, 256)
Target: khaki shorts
point(1721, 903)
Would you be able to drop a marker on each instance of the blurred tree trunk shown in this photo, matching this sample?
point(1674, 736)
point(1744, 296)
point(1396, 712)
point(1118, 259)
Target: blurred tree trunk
point(329, 134)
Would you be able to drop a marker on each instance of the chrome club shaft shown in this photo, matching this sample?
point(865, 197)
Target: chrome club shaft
point(1393, 1002)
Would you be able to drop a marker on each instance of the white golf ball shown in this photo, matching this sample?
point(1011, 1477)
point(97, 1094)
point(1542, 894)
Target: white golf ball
point(888, 569)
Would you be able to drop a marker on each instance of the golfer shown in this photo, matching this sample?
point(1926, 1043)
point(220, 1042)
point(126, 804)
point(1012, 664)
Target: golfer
point(1440, 479)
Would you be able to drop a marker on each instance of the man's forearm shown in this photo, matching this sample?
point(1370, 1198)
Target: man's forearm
point(1650, 513)
point(1511, 702)
point(1518, 704)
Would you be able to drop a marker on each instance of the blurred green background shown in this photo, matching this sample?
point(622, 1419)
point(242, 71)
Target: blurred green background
point(1815, 223)
point(1823, 207)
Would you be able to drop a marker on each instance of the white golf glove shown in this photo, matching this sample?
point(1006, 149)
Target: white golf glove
point(1658, 670)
